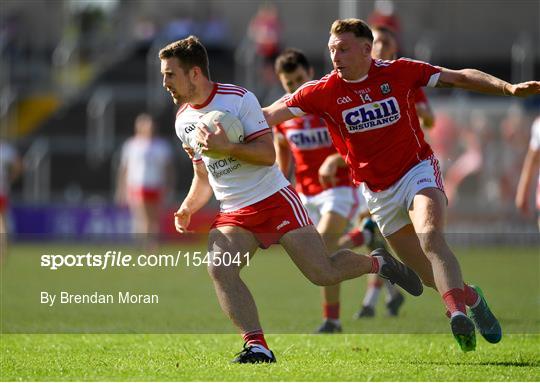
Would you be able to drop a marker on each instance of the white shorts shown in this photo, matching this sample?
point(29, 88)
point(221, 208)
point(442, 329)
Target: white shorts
point(390, 208)
point(344, 200)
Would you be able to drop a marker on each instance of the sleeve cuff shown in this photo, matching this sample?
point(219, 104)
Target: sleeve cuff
point(433, 80)
point(297, 111)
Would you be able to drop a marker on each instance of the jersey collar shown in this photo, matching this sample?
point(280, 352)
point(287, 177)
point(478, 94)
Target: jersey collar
point(208, 100)
point(363, 78)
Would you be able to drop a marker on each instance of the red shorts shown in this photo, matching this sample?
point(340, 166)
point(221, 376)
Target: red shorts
point(144, 195)
point(270, 218)
point(3, 203)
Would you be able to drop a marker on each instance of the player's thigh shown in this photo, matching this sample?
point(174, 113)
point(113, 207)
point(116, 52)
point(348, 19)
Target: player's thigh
point(406, 244)
point(428, 211)
point(225, 242)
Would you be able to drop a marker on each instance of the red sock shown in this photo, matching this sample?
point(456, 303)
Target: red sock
point(255, 337)
point(454, 300)
point(356, 236)
point(331, 310)
point(374, 265)
point(470, 295)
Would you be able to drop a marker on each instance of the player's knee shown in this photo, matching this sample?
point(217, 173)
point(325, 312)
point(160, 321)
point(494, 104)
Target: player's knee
point(222, 272)
point(432, 242)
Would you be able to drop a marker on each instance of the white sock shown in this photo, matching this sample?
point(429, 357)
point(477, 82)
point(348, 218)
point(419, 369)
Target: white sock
point(371, 297)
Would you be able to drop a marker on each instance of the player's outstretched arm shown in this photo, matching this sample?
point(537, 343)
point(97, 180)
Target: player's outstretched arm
point(277, 113)
point(477, 81)
point(198, 195)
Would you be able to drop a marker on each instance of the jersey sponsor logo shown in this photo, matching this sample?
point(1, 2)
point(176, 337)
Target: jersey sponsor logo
point(282, 224)
point(343, 100)
point(307, 139)
point(223, 166)
point(371, 116)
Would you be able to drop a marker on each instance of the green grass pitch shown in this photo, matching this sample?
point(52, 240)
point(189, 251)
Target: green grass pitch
point(186, 337)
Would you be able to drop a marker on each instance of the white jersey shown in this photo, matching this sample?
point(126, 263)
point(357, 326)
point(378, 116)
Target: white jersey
point(8, 156)
point(535, 145)
point(146, 162)
point(235, 183)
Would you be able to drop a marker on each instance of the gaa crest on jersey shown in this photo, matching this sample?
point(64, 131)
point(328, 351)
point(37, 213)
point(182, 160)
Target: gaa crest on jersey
point(385, 88)
point(374, 115)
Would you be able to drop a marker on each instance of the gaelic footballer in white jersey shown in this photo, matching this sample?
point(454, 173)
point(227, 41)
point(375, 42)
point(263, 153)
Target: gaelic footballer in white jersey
point(235, 183)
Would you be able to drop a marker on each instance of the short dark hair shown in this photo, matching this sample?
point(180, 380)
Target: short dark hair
point(190, 52)
point(289, 60)
point(356, 26)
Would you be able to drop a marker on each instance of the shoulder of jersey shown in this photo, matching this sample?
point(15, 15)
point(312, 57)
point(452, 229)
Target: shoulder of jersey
point(383, 63)
point(230, 89)
point(314, 83)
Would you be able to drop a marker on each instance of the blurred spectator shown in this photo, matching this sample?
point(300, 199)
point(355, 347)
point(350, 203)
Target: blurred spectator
point(10, 170)
point(443, 137)
point(531, 167)
point(383, 16)
point(145, 177)
point(514, 136)
point(265, 31)
point(470, 160)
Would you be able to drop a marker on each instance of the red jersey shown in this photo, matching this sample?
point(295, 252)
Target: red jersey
point(372, 121)
point(310, 144)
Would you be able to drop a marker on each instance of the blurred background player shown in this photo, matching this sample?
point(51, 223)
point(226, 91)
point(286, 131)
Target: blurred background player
point(386, 47)
point(145, 177)
point(531, 168)
point(332, 205)
point(10, 170)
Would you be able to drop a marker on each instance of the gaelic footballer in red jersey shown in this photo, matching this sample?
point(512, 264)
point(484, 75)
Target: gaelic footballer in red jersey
point(333, 206)
point(368, 106)
point(386, 47)
point(257, 205)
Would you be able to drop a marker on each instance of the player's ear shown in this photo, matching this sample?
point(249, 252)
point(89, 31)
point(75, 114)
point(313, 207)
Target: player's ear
point(311, 72)
point(195, 73)
point(366, 48)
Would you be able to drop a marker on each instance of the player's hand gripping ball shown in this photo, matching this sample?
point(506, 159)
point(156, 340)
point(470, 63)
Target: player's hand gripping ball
point(231, 125)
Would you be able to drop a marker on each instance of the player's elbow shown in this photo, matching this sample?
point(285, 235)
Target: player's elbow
point(269, 158)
